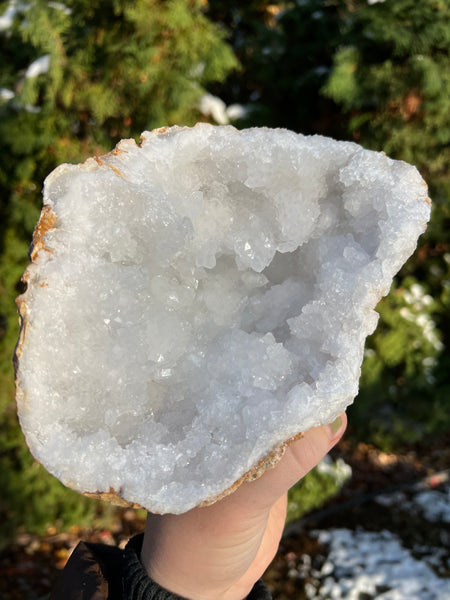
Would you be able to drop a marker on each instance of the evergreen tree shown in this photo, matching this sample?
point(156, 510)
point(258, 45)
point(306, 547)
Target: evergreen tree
point(391, 75)
point(286, 50)
point(75, 78)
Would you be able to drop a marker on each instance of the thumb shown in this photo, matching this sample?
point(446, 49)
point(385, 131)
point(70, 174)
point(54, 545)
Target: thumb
point(300, 457)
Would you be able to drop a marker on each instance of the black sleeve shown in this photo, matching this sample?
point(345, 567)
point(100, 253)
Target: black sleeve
point(93, 572)
point(137, 585)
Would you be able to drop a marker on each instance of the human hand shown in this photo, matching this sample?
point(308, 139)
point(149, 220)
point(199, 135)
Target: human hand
point(219, 552)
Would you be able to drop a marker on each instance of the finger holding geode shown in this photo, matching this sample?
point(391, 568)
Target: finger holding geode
point(196, 301)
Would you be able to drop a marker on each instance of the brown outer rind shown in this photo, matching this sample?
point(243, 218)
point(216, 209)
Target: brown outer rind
point(112, 497)
point(47, 221)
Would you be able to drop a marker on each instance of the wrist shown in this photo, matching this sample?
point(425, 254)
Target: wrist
point(187, 586)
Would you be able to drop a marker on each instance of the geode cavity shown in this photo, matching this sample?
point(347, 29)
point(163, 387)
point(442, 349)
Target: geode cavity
point(196, 301)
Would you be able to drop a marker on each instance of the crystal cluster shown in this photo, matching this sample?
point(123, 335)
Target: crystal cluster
point(196, 301)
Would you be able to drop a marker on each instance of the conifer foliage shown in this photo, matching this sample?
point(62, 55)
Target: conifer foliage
point(391, 74)
point(78, 75)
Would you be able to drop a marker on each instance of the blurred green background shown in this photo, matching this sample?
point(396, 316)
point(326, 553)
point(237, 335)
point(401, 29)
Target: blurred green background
point(77, 76)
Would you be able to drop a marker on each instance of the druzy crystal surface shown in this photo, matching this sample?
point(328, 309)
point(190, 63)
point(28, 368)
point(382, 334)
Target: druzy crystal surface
point(197, 300)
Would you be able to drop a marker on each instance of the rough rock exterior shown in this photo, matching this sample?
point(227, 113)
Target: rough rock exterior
point(196, 301)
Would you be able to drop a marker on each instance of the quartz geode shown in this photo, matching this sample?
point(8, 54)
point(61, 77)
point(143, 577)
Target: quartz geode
point(196, 301)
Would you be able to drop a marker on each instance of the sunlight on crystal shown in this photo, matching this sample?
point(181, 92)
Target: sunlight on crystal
point(213, 289)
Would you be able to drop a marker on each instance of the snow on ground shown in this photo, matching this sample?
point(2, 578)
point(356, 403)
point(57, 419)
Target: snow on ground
point(434, 505)
point(377, 566)
point(363, 564)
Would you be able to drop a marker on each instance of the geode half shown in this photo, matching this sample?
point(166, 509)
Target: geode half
point(196, 301)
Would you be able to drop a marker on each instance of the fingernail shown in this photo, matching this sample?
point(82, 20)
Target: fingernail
point(335, 425)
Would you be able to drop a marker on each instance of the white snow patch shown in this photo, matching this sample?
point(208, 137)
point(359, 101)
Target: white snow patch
point(7, 18)
point(215, 107)
point(375, 566)
point(40, 66)
point(434, 504)
point(394, 499)
point(6, 94)
point(32, 109)
point(339, 470)
point(60, 6)
point(236, 111)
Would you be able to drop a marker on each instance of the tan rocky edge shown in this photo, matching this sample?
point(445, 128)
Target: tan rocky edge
point(47, 222)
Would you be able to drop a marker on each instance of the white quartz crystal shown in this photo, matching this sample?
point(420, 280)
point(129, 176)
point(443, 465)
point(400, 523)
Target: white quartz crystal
point(200, 299)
